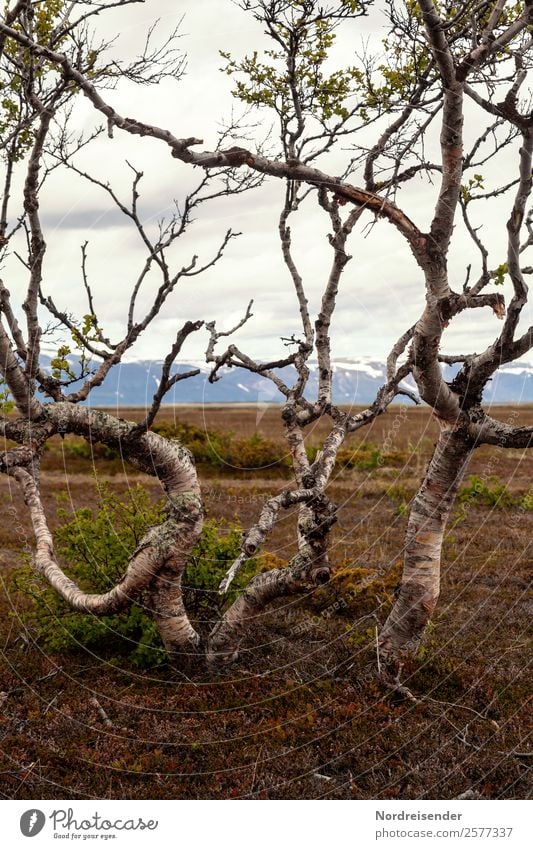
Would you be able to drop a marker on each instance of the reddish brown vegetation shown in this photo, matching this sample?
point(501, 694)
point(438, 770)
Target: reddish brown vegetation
point(302, 715)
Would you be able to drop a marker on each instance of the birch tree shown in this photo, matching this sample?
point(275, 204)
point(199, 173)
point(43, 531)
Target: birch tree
point(442, 66)
point(38, 138)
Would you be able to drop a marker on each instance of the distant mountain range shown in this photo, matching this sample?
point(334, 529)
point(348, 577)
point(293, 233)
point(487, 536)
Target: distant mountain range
point(133, 384)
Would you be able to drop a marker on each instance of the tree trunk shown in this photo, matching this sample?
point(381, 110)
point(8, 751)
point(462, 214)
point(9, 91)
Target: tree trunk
point(302, 574)
point(419, 589)
point(157, 565)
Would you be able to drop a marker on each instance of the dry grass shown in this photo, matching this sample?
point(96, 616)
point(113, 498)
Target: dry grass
point(302, 715)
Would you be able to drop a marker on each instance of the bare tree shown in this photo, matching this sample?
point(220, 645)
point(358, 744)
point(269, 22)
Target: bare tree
point(438, 58)
point(37, 139)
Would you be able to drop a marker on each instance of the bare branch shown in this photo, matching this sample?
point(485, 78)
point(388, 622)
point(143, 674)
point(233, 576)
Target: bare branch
point(37, 246)
point(290, 205)
point(166, 382)
point(255, 537)
point(489, 46)
point(488, 430)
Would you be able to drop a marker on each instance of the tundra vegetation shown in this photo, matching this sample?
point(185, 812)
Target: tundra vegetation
point(446, 72)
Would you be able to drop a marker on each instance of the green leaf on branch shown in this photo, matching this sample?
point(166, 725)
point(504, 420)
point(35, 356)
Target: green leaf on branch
point(60, 365)
point(475, 182)
point(498, 275)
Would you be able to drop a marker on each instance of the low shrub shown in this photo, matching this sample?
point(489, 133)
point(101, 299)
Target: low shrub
point(491, 492)
point(365, 457)
point(368, 456)
point(355, 590)
point(95, 546)
point(254, 453)
point(206, 445)
point(210, 559)
point(89, 451)
point(526, 501)
point(220, 448)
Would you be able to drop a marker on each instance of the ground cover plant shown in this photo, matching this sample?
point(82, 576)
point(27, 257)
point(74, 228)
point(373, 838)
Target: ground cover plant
point(304, 715)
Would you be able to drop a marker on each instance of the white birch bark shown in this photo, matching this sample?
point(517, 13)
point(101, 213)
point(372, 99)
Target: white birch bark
point(420, 585)
point(157, 565)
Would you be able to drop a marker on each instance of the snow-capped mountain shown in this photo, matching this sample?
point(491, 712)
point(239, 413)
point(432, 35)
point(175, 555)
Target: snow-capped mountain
point(354, 382)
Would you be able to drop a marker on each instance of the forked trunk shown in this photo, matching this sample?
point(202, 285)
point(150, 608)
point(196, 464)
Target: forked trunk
point(420, 586)
point(302, 574)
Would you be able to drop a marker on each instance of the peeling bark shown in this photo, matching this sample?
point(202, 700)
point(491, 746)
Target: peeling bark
point(17, 381)
point(306, 571)
point(157, 565)
point(420, 585)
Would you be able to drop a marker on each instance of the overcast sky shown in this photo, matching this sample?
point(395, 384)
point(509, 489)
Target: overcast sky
point(382, 289)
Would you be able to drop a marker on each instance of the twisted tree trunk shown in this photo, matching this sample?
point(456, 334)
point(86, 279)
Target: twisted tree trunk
point(157, 565)
point(307, 570)
point(303, 573)
point(420, 585)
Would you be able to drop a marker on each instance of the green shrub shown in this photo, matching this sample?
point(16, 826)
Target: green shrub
point(222, 449)
point(96, 545)
point(256, 452)
point(365, 457)
point(526, 501)
point(399, 494)
point(206, 446)
point(491, 492)
point(210, 559)
point(89, 451)
point(368, 456)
